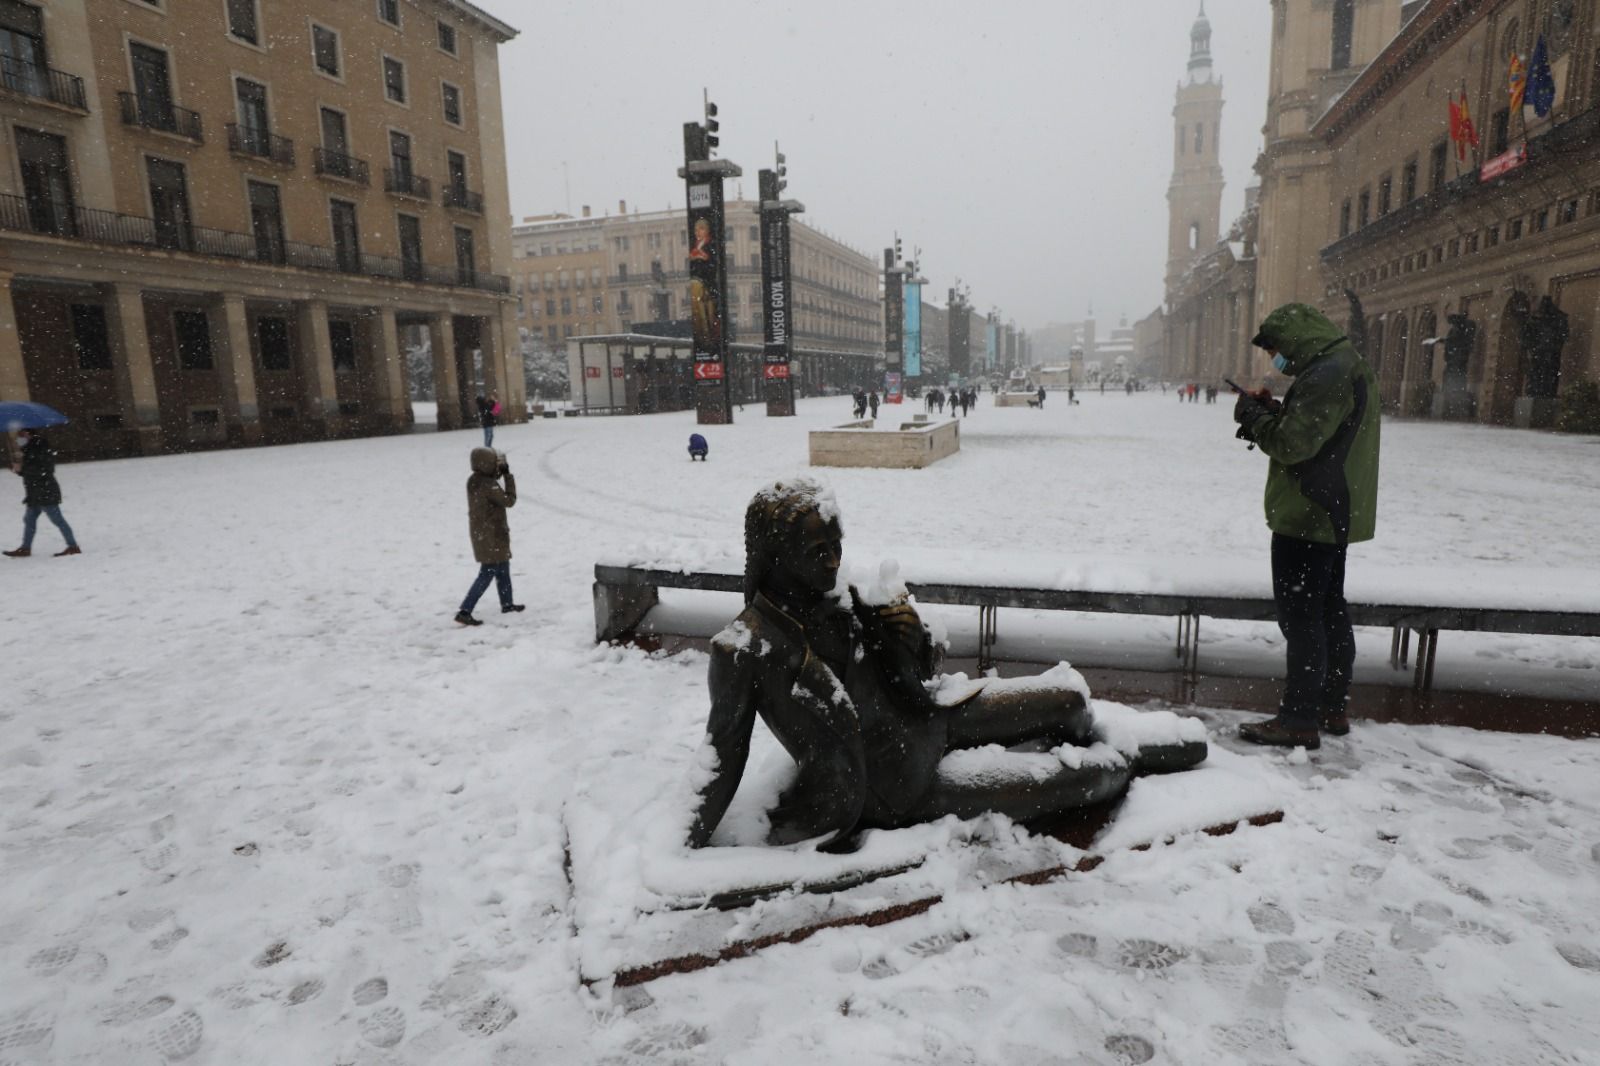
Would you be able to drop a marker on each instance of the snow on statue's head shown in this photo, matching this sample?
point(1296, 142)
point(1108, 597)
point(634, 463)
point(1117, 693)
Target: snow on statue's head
point(774, 514)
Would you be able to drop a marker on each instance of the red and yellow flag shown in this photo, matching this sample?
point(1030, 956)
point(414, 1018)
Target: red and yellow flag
point(1517, 82)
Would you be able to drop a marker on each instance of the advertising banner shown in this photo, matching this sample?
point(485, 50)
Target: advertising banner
point(893, 387)
point(894, 320)
point(913, 340)
point(707, 280)
point(991, 344)
point(778, 345)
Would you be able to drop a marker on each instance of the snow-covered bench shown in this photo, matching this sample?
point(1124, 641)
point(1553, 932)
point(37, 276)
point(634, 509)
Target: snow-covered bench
point(1405, 602)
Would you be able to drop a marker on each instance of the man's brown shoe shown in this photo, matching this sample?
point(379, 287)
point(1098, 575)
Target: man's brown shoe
point(1279, 734)
point(18, 553)
point(74, 550)
point(1335, 723)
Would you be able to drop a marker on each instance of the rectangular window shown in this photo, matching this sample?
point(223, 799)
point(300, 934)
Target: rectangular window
point(456, 167)
point(549, 307)
point(1344, 219)
point(466, 257)
point(566, 305)
point(335, 132)
point(447, 38)
point(1344, 22)
point(169, 203)
point(342, 340)
point(46, 182)
point(91, 340)
point(1500, 131)
point(1363, 208)
point(272, 338)
point(242, 20)
point(389, 11)
point(191, 334)
point(255, 132)
point(325, 50)
point(1385, 195)
point(411, 246)
point(598, 304)
point(400, 158)
point(394, 80)
point(1408, 182)
point(1436, 164)
point(1567, 213)
point(1541, 219)
point(1492, 237)
point(266, 221)
point(1199, 137)
point(452, 103)
point(346, 235)
point(152, 86)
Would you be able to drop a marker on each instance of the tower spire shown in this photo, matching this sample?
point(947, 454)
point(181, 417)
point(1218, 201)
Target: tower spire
point(1200, 48)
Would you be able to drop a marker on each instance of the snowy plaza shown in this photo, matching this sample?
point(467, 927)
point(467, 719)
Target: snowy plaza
point(264, 803)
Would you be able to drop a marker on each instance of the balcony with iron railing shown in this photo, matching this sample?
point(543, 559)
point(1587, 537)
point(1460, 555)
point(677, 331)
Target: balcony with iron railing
point(463, 199)
point(58, 219)
point(332, 164)
point(259, 143)
point(403, 182)
point(160, 115)
point(42, 83)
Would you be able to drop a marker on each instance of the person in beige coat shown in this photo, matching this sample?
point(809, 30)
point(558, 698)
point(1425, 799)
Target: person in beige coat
point(487, 502)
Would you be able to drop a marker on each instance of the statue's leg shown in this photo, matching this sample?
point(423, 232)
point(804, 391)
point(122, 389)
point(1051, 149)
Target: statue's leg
point(1015, 716)
point(1022, 787)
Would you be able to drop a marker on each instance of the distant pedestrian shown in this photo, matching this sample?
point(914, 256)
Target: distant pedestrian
point(487, 503)
point(488, 415)
point(1072, 396)
point(698, 448)
point(872, 402)
point(41, 493)
point(859, 400)
point(966, 402)
point(1041, 396)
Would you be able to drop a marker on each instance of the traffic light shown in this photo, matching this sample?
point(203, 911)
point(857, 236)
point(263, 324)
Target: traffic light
point(712, 126)
point(897, 248)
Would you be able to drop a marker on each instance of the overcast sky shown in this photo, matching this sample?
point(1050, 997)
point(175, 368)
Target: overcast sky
point(1024, 145)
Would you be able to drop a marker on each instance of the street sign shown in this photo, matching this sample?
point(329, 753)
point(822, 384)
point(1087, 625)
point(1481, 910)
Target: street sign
point(707, 371)
point(777, 370)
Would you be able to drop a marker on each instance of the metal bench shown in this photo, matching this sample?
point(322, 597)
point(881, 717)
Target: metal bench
point(623, 595)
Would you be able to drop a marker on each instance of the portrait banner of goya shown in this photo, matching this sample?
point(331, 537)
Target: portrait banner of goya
point(705, 254)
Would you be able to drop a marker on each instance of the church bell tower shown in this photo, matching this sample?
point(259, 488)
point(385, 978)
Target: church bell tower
point(1194, 198)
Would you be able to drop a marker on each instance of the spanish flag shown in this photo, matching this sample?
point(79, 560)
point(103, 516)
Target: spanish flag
point(1517, 82)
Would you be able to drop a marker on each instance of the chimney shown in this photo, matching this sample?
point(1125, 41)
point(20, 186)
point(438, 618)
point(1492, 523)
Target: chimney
point(585, 210)
point(622, 207)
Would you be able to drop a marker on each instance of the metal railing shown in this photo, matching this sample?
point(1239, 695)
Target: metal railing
point(58, 219)
point(463, 198)
point(405, 183)
point(162, 115)
point(44, 83)
point(263, 144)
point(339, 165)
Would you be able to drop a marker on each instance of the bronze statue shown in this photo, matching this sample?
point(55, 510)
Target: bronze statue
point(843, 685)
point(1544, 334)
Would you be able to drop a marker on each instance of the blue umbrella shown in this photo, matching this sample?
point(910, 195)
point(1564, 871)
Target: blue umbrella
point(15, 415)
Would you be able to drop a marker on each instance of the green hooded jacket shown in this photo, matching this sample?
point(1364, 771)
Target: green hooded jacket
point(1322, 484)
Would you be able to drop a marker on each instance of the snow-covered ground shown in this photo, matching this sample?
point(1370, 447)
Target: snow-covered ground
point(261, 802)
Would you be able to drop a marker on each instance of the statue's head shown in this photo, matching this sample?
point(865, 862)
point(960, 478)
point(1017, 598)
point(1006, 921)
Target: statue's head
point(792, 534)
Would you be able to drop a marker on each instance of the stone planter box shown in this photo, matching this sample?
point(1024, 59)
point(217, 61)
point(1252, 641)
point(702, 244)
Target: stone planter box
point(915, 444)
point(1015, 399)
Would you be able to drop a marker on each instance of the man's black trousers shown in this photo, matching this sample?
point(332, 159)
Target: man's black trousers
point(1308, 588)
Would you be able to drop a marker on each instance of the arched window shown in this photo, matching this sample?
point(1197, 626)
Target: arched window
point(1344, 24)
point(1199, 137)
point(1194, 236)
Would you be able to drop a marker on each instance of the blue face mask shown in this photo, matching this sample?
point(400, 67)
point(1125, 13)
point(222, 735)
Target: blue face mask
point(1281, 363)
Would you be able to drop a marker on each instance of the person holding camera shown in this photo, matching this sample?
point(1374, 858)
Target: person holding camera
point(487, 503)
point(1321, 497)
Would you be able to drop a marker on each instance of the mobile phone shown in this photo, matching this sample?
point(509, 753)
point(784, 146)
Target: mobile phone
point(1230, 383)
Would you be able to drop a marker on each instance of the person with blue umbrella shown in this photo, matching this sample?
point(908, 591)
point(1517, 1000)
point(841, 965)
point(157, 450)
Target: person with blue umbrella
point(37, 468)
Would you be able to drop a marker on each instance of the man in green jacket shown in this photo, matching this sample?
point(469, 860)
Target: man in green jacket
point(1322, 496)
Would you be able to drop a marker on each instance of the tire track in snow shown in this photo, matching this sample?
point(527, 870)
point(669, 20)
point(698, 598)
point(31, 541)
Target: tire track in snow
point(547, 467)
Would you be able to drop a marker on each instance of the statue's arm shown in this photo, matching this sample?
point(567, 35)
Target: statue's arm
point(733, 682)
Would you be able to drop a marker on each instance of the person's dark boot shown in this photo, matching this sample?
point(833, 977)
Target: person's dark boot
point(18, 553)
point(465, 618)
point(1281, 734)
point(510, 607)
point(1335, 723)
point(74, 550)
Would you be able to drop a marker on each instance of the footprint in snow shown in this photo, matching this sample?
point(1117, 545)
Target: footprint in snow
point(179, 1036)
point(1271, 918)
point(1150, 955)
point(370, 991)
point(1130, 1049)
point(384, 1027)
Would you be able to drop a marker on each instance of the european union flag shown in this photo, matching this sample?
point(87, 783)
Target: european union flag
point(1541, 83)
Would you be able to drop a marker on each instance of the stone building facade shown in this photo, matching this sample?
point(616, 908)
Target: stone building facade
point(219, 219)
point(1478, 279)
point(616, 273)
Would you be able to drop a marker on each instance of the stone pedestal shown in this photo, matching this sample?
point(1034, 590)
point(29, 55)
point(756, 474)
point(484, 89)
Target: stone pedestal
point(1536, 412)
point(913, 445)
